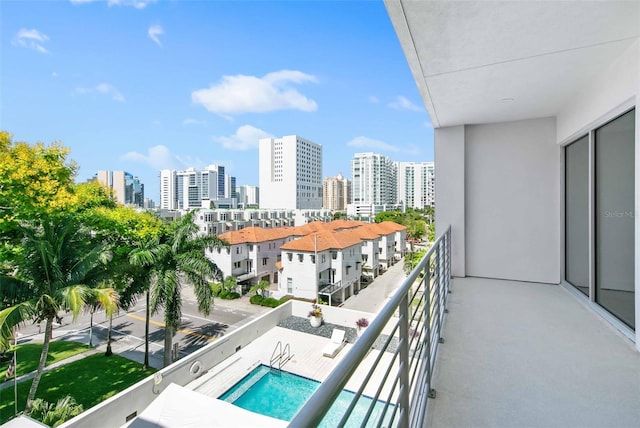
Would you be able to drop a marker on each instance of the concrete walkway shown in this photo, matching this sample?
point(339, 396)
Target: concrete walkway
point(522, 354)
point(376, 294)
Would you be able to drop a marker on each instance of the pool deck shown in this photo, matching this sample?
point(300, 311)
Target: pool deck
point(307, 361)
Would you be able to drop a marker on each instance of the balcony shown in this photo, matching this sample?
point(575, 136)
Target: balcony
point(528, 354)
point(484, 352)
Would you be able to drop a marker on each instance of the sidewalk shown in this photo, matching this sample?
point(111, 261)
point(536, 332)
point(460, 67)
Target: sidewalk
point(375, 295)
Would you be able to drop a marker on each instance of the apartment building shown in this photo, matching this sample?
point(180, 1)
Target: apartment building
point(252, 254)
point(191, 188)
point(326, 263)
point(318, 257)
point(290, 173)
point(336, 193)
point(248, 196)
point(127, 189)
point(416, 184)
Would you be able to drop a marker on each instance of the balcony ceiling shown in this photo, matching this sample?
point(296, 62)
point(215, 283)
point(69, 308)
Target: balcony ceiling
point(485, 61)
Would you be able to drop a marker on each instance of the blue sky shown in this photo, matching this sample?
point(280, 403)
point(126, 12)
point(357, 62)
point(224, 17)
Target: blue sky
point(140, 85)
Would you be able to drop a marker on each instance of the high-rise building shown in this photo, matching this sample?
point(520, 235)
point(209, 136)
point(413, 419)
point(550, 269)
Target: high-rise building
point(374, 180)
point(290, 173)
point(230, 187)
point(336, 193)
point(191, 188)
point(416, 184)
point(168, 193)
point(248, 196)
point(127, 189)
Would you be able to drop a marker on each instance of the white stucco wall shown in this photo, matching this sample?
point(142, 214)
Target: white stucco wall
point(450, 191)
point(608, 95)
point(512, 203)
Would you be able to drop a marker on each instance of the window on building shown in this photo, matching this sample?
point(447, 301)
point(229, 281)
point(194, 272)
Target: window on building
point(300, 257)
point(323, 258)
point(289, 286)
point(250, 247)
point(313, 259)
point(264, 261)
point(289, 256)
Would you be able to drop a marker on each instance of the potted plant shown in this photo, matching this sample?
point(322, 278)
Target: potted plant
point(362, 325)
point(315, 314)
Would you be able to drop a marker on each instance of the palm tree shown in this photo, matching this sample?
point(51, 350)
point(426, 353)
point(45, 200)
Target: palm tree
point(101, 298)
point(260, 288)
point(144, 261)
point(58, 266)
point(182, 259)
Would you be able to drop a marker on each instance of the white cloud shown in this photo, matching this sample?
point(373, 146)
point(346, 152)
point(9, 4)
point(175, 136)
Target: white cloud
point(138, 4)
point(31, 39)
point(193, 122)
point(250, 94)
point(54, 74)
point(373, 99)
point(80, 1)
point(103, 88)
point(402, 103)
point(160, 157)
point(369, 143)
point(245, 138)
point(155, 31)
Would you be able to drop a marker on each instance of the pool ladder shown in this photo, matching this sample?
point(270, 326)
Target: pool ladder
point(280, 356)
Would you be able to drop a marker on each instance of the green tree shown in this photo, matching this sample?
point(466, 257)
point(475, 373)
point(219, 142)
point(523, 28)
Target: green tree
point(59, 265)
point(339, 215)
point(182, 259)
point(135, 237)
point(260, 288)
point(98, 298)
point(229, 284)
point(35, 180)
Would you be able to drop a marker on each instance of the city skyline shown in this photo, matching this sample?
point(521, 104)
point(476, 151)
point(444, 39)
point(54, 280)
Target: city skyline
point(143, 86)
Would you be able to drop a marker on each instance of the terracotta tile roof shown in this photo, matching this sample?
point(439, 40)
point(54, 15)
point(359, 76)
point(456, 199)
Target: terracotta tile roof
point(279, 265)
point(359, 230)
point(367, 231)
point(253, 235)
point(323, 240)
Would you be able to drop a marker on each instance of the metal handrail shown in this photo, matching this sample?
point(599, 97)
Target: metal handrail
point(419, 307)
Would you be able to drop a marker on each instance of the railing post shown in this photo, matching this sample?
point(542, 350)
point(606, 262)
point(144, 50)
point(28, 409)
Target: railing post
point(403, 375)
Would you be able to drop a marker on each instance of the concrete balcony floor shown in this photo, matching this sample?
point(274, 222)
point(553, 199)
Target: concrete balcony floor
point(522, 354)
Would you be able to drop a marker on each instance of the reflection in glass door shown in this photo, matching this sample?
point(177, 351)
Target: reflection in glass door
point(615, 217)
point(577, 214)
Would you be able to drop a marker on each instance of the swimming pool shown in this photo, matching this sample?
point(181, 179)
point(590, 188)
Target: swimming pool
point(281, 394)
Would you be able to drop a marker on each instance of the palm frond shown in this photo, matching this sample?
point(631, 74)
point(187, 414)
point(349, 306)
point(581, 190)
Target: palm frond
point(11, 317)
point(74, 297)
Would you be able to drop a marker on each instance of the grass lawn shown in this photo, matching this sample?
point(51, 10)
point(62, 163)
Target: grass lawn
point(29, 355)
point(90, 381)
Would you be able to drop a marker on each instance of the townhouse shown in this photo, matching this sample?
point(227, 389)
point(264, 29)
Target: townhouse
point(318, 258)
point(326, 263)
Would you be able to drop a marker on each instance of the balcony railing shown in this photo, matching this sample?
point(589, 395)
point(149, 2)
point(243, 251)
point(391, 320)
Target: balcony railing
point(401, 385)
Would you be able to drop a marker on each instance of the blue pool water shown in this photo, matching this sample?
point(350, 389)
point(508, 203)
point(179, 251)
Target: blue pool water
point(281, 394)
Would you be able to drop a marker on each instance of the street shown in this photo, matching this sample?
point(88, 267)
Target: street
point(128, 327)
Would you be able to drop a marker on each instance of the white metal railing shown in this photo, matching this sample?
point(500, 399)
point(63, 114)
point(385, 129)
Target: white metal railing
point(398, 383)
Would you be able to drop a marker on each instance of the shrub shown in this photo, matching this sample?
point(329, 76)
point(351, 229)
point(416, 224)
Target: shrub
point(216, 289)
point(256, 299)
point(270, 302)
point(232, 295)
point(223, 294)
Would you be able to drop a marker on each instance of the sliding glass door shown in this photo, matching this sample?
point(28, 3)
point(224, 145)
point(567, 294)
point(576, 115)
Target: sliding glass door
point(614, 217)
point(577, 214)
point(610, 160)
